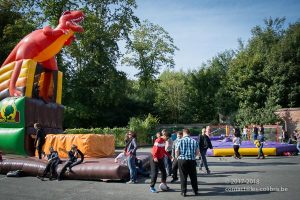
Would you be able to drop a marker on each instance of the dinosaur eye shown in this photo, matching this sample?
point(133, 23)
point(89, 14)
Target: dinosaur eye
point(66, 13)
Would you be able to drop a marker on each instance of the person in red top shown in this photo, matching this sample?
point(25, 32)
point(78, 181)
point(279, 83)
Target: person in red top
point(157, 161)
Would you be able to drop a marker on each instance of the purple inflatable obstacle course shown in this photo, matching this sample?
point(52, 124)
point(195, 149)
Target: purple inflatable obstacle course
point(224, 147)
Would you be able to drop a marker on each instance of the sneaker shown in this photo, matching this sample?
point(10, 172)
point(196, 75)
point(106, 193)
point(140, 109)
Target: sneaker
point(41, 178)
point(174, 180)
point(207, 171)
point(153, 190)
point(131, 182)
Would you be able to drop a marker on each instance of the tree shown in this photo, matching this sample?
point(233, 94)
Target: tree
point(249, 75)
point(207, 94)
point(171, 96)
point(13, 27)
point(151, 49)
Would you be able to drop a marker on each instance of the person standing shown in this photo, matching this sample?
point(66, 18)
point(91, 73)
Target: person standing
point(236, 143)
point(262, 129)
point(186, 152)
point(204, 144)
point(157, 161)
point(53, 161)
point(175, 161)
point(72, 161)
point(168, 148)
point(261, 140)
point(40, 139)
point(245, 133)
point(255, 132)
point(297, 136)
point(174, 135)
point(130, 152)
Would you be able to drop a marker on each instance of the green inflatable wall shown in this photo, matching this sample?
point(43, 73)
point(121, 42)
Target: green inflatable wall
point(12, 125)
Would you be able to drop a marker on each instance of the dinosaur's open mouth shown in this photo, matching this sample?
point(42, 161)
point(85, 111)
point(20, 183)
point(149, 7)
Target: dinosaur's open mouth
point(77, 21)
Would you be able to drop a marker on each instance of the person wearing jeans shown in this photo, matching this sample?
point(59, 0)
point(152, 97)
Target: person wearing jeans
point(72, 161)
point(175, 161)
point(130, 152)
point(168, 147)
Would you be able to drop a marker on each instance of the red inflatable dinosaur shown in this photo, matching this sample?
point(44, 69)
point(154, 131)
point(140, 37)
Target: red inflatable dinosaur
point(41, 46)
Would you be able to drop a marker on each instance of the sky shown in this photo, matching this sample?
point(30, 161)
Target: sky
point(203, 28)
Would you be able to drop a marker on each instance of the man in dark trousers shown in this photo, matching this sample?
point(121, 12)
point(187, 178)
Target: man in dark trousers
point(73, 160)
point(175, 161)
point(204, 144)
point(157, 162)
point(53, 161)
point(186, 151)
point(40, 139)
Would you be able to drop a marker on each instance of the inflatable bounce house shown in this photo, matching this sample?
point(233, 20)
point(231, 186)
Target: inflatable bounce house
point(31, 92)
point(223, 145)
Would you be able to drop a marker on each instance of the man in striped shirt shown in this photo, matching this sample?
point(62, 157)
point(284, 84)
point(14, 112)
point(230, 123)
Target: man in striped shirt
point(186, 152)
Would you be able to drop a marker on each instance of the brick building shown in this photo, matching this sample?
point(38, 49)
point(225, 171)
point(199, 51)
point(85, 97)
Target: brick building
point(291, 117)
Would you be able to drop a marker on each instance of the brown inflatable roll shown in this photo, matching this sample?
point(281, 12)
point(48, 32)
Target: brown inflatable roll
point(91, 169)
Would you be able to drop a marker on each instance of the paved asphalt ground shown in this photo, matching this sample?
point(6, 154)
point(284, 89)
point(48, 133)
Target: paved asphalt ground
point(273, 178)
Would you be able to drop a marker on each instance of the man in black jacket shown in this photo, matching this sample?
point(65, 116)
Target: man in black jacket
point(40, 139)
point(204, 144)
point(73, 160)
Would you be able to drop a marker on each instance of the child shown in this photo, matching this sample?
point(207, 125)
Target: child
point(236, 143)
point(121, 159)
point(261, 139)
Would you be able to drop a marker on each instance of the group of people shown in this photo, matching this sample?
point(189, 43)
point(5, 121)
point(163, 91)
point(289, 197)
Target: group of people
point(54, 161)
point(53, 158)
point(258, 137)
point(179, 155)
point(169, 155)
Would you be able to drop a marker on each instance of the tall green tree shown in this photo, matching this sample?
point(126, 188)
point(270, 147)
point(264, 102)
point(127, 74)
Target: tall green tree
point(207, 93)
point(13, 27)
point(171, 97)
point(249, 76)
point(151, 49)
